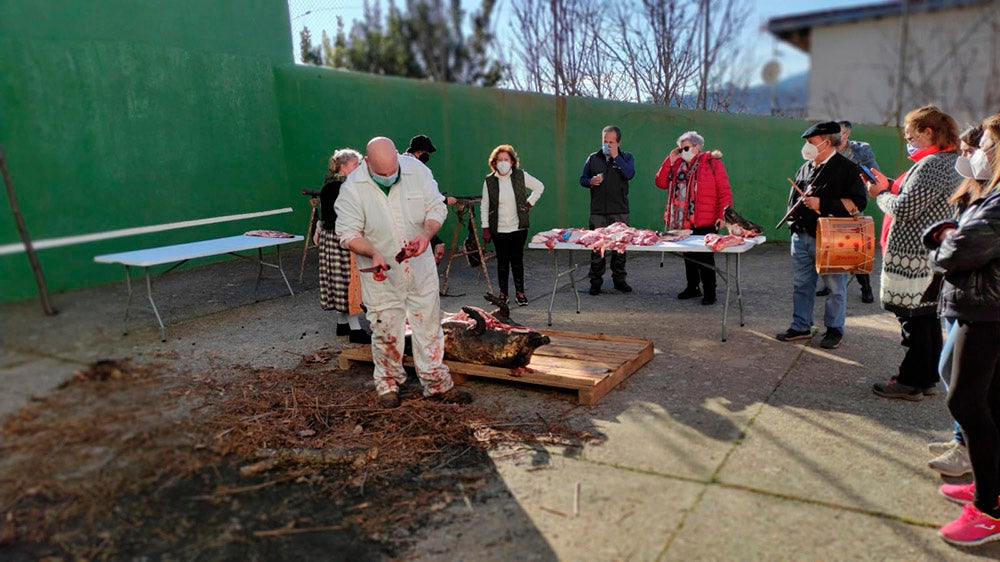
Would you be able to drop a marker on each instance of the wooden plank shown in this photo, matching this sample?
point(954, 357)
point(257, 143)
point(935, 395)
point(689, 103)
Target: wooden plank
point(591, 364)
point(620, 375)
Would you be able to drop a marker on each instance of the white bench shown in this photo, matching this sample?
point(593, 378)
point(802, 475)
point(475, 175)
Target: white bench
point(181, 253)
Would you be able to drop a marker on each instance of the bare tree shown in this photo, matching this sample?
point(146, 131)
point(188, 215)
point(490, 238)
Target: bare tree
point(641, 50)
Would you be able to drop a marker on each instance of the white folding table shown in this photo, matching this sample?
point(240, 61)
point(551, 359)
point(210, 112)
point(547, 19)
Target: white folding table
point(689, 244)
point(181, 253)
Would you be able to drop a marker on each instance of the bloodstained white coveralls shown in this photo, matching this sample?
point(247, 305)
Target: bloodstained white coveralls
point(410, 291)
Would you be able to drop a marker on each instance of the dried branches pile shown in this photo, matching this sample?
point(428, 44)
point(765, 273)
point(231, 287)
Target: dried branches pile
point(127, 457)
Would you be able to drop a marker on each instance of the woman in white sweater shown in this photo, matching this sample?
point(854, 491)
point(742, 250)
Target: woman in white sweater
point(505, 216)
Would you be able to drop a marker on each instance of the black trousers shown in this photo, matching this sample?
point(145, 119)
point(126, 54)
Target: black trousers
point(510, 258)
point(922, 340)
point(974, 402)
point(597, 261)
point(700, 266)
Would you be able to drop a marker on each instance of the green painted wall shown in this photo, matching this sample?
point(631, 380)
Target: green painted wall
point(123, 114)
point(322, 109)
point(118, 114)
point(256, 28)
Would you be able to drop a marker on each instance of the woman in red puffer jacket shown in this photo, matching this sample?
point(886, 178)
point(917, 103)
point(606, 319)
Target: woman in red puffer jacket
point(697, 193)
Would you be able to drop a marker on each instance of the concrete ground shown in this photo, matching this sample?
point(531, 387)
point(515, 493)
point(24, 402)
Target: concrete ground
point(749, 449)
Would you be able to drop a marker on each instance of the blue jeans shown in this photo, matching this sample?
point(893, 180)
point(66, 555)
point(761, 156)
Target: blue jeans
point(944, 366)
point(804, 295)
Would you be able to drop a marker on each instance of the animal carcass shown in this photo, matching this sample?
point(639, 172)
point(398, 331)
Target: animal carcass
point(479, 337)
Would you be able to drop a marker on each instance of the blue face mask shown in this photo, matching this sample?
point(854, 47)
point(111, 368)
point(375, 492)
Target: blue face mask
point(606, 149)
point(911, 149)
point(384, 181)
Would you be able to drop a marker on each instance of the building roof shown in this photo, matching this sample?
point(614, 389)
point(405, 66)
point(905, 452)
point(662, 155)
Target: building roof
point(796, 29)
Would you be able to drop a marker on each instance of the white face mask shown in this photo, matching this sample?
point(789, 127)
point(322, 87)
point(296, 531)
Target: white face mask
point(981, 169)
point(503, 167)
point(687, 155)
point(809, 151)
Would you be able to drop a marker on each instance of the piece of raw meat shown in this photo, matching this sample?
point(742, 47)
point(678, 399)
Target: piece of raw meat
point(718, 243)
point(740, 226)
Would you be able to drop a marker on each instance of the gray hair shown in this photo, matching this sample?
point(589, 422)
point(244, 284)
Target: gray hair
point(343, 156)
point(692, 137)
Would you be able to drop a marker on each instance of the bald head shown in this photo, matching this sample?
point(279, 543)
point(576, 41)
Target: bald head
point(381, 156)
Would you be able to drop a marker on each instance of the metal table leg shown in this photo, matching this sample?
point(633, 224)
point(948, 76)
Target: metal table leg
point(558, 274)
point(725, 309)
point(149, 294)
point(128, 303)
point(260, 268)
point(739, 289)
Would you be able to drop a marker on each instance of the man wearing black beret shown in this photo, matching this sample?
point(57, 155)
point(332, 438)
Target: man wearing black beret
point(831, 183)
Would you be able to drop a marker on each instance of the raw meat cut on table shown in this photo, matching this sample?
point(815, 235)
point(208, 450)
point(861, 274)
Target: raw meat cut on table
point(268, 234)
point(614, 237)
point(740, 226)
point(718, 243)
point(675, 235)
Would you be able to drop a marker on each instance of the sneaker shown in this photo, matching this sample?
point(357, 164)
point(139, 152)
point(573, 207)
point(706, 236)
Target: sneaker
point(709, 298)
point(959, 493)
point(520, 299)
point(942, 447)
point(954, 462)
point(454, 395)
point(623, 287)
point(823, 292)
point(595, 288)
point(972, 528)
point(389, 400)
point(895, 389)
point(689, 293)
point(832, 338)
point(792, 335)
point(502, 297)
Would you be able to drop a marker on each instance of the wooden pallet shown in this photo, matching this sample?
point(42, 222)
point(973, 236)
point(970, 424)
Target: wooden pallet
point(591, 364)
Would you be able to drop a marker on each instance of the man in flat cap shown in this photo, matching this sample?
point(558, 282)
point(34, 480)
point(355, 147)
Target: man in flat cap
point(833, 188)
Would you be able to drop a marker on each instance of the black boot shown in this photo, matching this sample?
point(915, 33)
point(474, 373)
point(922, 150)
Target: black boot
point(709, 297)
point(866, 289)
point(689, 293)
point(359, 336)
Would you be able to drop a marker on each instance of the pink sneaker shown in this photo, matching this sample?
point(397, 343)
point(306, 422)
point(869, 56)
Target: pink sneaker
point(959, 493)
point(972, 528)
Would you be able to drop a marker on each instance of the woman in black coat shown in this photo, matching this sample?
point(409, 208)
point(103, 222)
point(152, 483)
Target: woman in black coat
point(967, 253)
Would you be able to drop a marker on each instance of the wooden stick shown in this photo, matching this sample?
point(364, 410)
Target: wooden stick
point(796, 187)
point(22, 229)
point(576, 500)
point(296, 530)
point(553, 510)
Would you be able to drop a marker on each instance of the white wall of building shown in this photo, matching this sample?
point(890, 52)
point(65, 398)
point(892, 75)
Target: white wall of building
point(952, 61)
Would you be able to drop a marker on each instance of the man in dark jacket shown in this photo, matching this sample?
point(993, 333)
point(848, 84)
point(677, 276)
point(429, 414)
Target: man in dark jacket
point(827, 179)
point(606, 174)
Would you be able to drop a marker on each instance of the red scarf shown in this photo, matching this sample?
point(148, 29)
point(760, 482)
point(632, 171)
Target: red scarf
point(898, 182)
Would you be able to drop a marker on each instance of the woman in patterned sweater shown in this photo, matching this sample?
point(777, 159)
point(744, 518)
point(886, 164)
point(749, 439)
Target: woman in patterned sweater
point(916, 200)
point(335, 263)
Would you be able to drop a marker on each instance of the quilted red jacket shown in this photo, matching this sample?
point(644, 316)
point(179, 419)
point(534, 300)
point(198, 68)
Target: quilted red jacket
point(713, 191)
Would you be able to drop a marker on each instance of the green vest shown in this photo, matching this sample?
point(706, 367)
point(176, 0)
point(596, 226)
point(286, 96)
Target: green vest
point(520, 197)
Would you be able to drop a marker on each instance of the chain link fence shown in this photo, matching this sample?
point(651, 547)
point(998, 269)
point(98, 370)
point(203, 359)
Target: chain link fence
point(319, 17)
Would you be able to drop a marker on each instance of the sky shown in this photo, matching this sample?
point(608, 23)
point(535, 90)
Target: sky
point(323, 13)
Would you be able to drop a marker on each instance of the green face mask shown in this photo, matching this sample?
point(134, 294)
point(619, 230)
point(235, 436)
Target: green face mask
point(384, 181)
